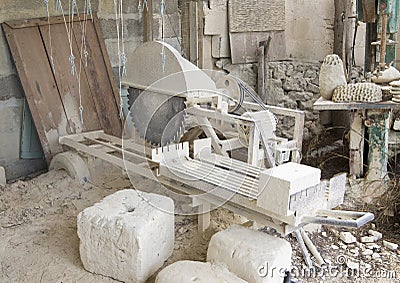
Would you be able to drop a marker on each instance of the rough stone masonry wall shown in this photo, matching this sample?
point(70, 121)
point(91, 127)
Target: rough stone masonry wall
point(295, 85)
point(11, 92)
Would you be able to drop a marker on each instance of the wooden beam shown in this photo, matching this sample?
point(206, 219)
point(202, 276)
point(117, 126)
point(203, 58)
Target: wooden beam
point(148, 22)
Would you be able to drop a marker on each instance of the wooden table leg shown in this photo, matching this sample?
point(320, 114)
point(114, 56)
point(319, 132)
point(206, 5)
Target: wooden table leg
point(357, 130)
point(378, 122)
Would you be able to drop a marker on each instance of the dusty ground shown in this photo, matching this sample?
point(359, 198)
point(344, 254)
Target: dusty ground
point(39, 242)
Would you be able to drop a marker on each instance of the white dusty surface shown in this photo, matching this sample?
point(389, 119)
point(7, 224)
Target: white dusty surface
point(39, 242)
point(195, 271)
point(249, 254)
point(132, 230)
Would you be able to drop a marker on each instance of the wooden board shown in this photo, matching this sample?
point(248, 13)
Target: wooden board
point(261, 15)
point(244, 46)
point(53, 95)
point(323, 104)
point(39, 86)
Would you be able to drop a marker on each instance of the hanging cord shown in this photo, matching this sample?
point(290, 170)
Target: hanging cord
point(57, 5)
point(162, 12)
point(120, 34)
point(123, 55)
point(69, 29)
point(46, 2)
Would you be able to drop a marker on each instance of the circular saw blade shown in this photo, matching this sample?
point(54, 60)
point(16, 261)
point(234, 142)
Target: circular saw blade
point(158, 118)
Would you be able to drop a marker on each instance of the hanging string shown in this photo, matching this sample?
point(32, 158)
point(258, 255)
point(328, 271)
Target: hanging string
point(46, 2)
point(162, 11)
point(119, 25)
point(69, 29)
point(145, 5)
point(123, 55)
point(57, 5)
point(139, 7)
point(123, 64)
point(89, 8)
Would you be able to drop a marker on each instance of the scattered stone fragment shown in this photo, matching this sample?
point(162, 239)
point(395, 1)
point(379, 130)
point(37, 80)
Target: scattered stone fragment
point(324, 234)
point(368, 239)
point(375, 234)
point(390, 246)
point(334, 247)
point(376, 256)
point(373, 226)
point(372, 246)
point(352, 265)
point(347, 237)
point(367, 252)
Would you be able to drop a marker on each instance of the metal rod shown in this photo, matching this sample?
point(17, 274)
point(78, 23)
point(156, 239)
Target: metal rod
point(313, 249)
point(303, 248)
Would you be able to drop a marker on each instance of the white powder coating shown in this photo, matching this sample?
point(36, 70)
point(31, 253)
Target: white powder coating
point(277, 184)
point(331, 75)
point(127, 236)
point(252, 255)
point(199, 272)
point(360, 92)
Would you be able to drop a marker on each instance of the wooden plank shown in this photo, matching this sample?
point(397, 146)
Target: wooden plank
point(107, 62)
point(261, 71)
point(148, 21)
point(68, 84)
point(99, 82)
point(323, 104)
point(41, 21)
point(39, 86)
point(193, 33)
point(260, 15)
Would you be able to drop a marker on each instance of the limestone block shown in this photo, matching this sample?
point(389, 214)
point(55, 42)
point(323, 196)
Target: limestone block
point(194, 271)
point(127, 236)
point(3, 180)
point(252, 255)
point(279, 183)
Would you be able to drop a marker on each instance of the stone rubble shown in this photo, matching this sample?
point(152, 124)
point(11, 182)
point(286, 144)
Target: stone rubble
point(368, 239)
point(390, 246)
point(375, 234)
point(347, 237)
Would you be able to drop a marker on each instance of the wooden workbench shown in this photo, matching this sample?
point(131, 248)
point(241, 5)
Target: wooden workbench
point(376, 118)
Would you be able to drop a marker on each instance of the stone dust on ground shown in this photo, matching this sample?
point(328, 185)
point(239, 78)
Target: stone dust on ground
point(39, 242)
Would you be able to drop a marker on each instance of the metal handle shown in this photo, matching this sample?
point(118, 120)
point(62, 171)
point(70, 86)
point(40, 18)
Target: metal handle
point(353, 219)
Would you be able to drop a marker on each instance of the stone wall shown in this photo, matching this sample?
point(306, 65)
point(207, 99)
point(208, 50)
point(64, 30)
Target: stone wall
point(295, 85)
point(11, 93)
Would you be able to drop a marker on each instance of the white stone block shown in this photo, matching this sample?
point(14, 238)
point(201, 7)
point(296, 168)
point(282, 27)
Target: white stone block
point(279, 183)
point(368, 239)
point(252, 255)
point(127, 236)
point(390, 246)
point(3, 180)
point(376, 234)
point(199, 272)
point(347, 237)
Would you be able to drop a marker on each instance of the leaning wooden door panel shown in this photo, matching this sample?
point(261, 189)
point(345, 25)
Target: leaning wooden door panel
point(39, 86)
point(100, 83)
point(73, 88)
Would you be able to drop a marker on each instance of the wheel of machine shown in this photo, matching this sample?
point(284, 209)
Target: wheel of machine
point(73, 164)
